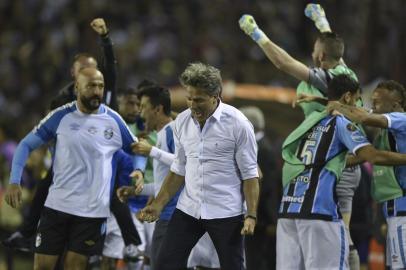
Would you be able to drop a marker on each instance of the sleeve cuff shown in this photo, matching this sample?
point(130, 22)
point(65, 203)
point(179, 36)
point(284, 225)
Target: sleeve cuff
point(175, 168)
point(250, 174)
point(354, 151)
point(389, 120)
point(154, 152)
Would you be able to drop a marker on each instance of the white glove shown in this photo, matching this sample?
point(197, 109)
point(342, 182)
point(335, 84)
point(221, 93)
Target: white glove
point(250, 27)
point(316, 13)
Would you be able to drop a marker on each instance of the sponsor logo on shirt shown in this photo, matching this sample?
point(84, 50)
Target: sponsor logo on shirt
point(74, 126)
point(356, 137)
point(302, 178)
point(92, 130)
point(108, 133)
point(293, 199)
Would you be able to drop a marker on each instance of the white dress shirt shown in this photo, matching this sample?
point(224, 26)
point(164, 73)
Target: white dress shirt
point(214, 161)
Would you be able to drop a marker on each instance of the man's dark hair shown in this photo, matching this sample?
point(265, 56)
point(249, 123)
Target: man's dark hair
point(395, 88)
point(158, 95)
point(59, 100)
point(145, 83)
point(341, 84)
point(333, 45)
point(129, 91)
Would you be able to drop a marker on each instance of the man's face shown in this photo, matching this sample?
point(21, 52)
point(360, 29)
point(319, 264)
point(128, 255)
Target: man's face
point(201, 104)
point(90, 89)
point(383, 101)
point(81, 63)
point(128, 108)
point(317, 53)
point(148, 113)
point(350, 98)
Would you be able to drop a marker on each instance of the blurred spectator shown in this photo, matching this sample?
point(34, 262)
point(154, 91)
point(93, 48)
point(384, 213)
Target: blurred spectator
point(261, 247)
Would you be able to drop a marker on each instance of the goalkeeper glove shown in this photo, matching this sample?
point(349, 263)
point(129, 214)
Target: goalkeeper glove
point(250, 27)
point(316, 13)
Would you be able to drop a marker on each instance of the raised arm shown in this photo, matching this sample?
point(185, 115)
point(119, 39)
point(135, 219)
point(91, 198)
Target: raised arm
point(279, 57)
point(358, 115)
point(109, 67)
point(24, 148)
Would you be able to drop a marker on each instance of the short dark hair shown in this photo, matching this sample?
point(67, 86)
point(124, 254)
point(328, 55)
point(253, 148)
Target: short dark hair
point(145, 83)
point(203, 77)
point(59, 100)
point(128, 91)
point(333, 45)
point(341, 84)
point(158, 95)
point(396, 88)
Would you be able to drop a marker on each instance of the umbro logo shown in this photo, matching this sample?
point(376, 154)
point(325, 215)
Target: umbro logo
point(74, 126)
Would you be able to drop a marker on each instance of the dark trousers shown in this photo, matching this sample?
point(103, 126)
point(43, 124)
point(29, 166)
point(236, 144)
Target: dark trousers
point(120, 211)
point(184, 232)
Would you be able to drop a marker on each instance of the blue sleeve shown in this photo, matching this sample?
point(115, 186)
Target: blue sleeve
point(349, 135)
point(31, 142)
point(140, 162)
point(170, 143)
point(46, 129)
point(396, 121)
point(127, 137)
point(124, 169)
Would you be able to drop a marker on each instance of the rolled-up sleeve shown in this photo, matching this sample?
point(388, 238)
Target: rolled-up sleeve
point(246, 150)
point(179, 163)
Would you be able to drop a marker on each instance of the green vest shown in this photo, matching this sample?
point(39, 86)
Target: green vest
point(385, 186)
point(307, 89)
point(293, 166)
point(152, 138)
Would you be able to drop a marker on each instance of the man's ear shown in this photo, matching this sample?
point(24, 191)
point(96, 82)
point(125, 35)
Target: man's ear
point(76, 88)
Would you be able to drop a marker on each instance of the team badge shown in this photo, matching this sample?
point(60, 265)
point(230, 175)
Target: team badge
point(351, 127)
point(38, 240)
point(108, 133)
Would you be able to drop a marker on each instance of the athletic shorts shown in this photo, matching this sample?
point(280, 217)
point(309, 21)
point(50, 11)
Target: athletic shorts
point(311, 245)
point(346, 187)
point(59, 231)
point(396, 243)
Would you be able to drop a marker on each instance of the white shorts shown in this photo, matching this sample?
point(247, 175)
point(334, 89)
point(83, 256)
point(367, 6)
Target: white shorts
point(396, 243)
point(114, 244)
point(145, 230)
point(204, 254)
point(311, 244)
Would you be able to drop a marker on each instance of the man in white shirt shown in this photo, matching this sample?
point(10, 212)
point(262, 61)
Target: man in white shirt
point(87, 135)
point(155, 104)
point(216, 161)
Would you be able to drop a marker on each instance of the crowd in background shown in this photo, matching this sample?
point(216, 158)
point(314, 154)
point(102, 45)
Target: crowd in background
point(156, 40)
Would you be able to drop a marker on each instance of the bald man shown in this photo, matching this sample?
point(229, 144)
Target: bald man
point(88, 136)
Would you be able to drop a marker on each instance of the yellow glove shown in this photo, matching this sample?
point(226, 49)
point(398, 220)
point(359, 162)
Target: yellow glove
point(250, 27)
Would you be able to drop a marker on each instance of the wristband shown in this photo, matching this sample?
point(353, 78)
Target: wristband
point(251, 217)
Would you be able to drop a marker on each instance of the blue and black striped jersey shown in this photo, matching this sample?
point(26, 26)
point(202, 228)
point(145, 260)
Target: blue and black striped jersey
point(311, 195)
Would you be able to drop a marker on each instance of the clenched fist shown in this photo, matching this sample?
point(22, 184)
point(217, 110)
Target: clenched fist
point(99, 25)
